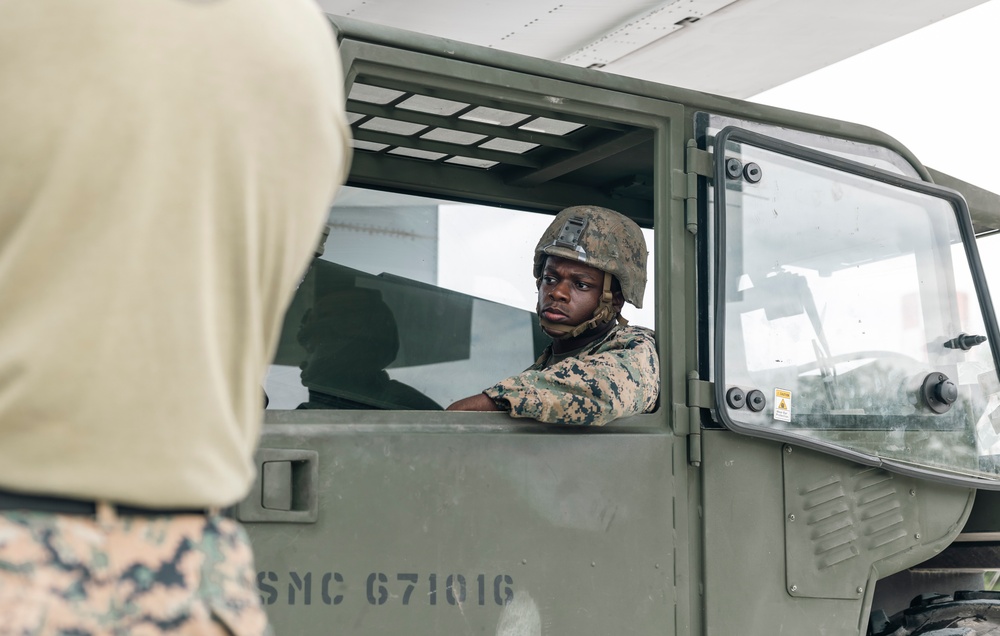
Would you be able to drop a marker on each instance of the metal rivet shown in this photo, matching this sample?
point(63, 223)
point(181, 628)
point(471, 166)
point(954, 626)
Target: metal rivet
point(861, 590)
point(657, 566)
point(734, 168)
point(916, 536)
point(593, 564)
point(794, 588)
point(791, 517)
point(913, 492)
point(788, 449)
point(524, 562)
point(735, 398)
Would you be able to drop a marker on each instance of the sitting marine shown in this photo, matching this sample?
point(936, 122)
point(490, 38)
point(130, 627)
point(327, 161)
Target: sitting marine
point(587, 264)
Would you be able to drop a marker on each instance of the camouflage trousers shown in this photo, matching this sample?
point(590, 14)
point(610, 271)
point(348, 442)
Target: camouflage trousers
point(76, 575)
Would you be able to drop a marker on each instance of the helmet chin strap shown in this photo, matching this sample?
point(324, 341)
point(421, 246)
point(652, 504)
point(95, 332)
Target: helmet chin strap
point(605, 312)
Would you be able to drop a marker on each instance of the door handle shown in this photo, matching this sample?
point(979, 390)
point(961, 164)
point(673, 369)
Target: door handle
point(285, 489)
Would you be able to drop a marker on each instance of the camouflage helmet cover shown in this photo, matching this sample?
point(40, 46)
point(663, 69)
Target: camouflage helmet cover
point(600, 238)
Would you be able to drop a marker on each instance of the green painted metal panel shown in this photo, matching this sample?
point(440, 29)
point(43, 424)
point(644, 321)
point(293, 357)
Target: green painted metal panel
point(764, 570)
point(744, 529)
point(460, 532)
point(842, 518)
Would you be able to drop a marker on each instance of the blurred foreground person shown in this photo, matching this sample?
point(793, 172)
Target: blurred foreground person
point(165, 169)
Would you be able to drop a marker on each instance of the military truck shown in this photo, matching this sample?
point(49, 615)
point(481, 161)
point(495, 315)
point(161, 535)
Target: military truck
point(824, 455)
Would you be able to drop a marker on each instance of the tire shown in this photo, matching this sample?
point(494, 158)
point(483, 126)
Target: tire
point(961, 614)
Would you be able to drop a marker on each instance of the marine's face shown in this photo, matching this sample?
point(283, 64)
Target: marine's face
point(568, 291)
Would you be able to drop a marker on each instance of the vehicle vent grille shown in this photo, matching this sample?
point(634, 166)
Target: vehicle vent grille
point(466, 131)
point(840, 521)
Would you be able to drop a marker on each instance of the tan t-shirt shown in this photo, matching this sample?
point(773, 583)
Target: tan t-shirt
point(165, 167)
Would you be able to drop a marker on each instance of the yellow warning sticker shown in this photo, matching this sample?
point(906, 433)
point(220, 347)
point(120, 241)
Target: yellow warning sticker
point(783, 405)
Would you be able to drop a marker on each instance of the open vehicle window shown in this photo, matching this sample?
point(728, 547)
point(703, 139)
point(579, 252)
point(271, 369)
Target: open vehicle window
point(413, 304)
point(853, 313)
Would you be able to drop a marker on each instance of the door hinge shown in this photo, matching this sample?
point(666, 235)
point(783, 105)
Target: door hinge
point(700, 393)
point(699, 162)
point(684, 185)
point(699, 396)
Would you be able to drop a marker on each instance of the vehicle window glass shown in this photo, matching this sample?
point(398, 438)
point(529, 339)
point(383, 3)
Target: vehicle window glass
point(850, 306)
point(709, 124)
point(413, 304)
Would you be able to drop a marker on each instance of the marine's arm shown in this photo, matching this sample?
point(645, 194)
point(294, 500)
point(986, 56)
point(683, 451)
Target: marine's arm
point(592, 390)
point(477, 402)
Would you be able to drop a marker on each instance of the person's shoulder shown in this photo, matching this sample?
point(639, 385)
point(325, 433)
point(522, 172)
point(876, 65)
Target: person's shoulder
point(635, 333)
point(626, 337)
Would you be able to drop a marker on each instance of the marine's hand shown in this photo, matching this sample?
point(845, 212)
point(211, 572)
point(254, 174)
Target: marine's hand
point(477, 402)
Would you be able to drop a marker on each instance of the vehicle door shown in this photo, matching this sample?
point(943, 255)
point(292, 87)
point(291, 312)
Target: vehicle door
point(853, 345)
point(376, 512)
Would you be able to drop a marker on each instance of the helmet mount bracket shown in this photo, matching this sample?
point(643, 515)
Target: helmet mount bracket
point(572, 230)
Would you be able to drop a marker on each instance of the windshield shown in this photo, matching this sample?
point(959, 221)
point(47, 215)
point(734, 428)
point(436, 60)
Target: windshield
point(851, 315)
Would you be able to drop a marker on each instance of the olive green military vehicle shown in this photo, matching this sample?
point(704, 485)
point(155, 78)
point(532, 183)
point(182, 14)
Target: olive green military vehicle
point(826, 447)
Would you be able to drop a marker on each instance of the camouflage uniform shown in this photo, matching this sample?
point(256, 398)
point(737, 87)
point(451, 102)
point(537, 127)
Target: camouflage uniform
point(76, 575)
point(614, 377)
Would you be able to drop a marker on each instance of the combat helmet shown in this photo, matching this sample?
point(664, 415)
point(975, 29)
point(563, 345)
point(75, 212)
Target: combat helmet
point(605, 240)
